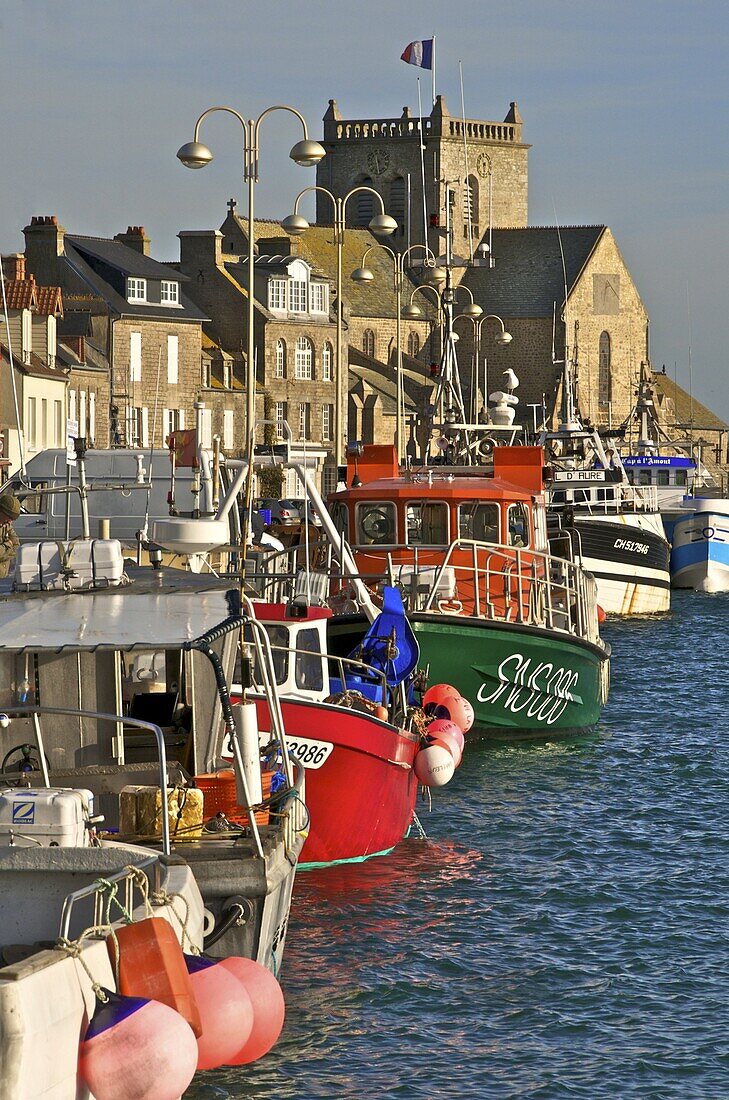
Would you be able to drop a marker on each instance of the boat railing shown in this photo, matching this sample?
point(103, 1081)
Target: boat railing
point(35, 714)
point(98, 890)
point(601, 499)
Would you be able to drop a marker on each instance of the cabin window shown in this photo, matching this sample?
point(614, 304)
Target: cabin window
point(630, 474)
point(681, 478)
point(518, 525)
point(376, 524)
point(36, 504)
point(427, 523)
point(479, 522)
point(663, 477)
point(309, 671)
point(644, 477)
point(278, 636)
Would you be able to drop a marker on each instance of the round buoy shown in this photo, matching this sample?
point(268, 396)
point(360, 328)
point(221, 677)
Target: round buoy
point(382, 713)
point(135, 1049)
point(449, 743)
point(438, 693)
point(454, 709)
point(600, 614)
point(434, 766)
point(269, 1009)
point(469, 713)
point(226, 1012)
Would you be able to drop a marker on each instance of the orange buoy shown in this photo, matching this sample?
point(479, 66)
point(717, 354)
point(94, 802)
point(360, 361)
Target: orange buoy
point(152, 965)
point(444, 725)
point(447, 738)
point(434, 766)
point(225, 1010)
point(137, 1048)
point(600, 614)
point(453, 708)
point(269, 1009)
point(437, 694)
point(382, 713)
point(469, 714)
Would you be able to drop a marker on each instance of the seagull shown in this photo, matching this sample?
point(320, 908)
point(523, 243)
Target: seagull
point(511, 381)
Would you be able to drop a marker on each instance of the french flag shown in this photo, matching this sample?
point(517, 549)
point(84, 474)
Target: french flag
point(419, 53)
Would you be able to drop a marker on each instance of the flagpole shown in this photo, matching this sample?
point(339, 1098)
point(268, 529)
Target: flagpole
point(422, 167)
point(434, 70)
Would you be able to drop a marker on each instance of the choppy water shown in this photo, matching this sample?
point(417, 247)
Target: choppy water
point(564, 932)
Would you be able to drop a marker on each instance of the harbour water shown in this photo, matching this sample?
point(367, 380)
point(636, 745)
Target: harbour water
point(563, 932)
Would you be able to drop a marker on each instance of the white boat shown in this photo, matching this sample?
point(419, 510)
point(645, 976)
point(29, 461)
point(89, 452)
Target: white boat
point(700, 551)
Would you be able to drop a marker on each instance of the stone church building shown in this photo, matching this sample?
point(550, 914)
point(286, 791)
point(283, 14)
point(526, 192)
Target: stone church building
point(589, 306)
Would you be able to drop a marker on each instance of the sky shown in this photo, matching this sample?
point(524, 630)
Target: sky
point(625, 105)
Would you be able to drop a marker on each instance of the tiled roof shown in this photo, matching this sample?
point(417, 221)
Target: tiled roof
point(528, 277)
point(121, 257)
point(36, 367)
point(686, 410)
point(26, 294)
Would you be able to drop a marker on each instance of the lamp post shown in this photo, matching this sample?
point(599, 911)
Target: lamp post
point(502, 338)
point(363, 274)
point(295, 225)
point(196, 155)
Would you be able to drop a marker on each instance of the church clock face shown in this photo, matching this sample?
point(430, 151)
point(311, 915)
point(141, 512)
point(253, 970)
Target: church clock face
point(378, 161)
point(483, 165)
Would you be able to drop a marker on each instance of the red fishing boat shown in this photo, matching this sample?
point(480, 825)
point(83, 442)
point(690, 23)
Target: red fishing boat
point(349, 723)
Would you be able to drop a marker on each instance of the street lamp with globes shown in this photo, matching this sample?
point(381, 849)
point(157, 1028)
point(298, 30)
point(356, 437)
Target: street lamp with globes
point(194, 154)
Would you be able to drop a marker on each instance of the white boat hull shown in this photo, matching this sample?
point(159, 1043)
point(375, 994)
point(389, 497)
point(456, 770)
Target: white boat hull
point(628, 555)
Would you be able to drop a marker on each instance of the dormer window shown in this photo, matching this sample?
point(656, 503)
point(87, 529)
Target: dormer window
point(319, 298)
point(136, 290)
point(277, 294)
point(298, 296)
point(169, 293)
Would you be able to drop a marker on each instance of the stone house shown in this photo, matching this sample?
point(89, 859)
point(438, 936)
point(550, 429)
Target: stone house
point(133, 311)
point(30, 371)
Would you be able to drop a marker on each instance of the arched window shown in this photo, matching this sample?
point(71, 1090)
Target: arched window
point(280, 359)
point(364, 204)
point(605, 383)
point(398, 204)
point(470, 207)
point(413, 344)
point(368, 342)
point(326, 362)
point(304, 358)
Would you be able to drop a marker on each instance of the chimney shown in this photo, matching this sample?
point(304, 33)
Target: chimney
point(200, 250)
point(135, 238)
point(77, 344)
point(43, 246)
point(14, 267)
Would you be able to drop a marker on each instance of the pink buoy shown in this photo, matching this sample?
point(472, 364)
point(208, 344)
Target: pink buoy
point(269, 1009)
point(438, 693)
point(454, 708)
point(434, 766)
point(226, 1012)
point(444, 725)
point(135, 1049)
point(449, 742)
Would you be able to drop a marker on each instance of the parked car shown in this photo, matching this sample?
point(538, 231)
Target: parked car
point(284, 513)
point(306, 509)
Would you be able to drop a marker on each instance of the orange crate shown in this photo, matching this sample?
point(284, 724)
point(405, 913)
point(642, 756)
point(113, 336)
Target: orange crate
point(220, 795)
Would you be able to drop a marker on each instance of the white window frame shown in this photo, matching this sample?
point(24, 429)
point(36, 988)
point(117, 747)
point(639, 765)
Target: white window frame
point(136, 289)
point(319, 296)
point(277, 295)
point(280, 419)
point(327, 417)
point(304, 419)
point(31, 426)
point(206, 428)
point(135, 356)
point(280, 368)
point(92, 417)
point(58, 423)
point(169, 292)
point(173, 360)
point(26, 335)
point(228, 430)
point(298, 296)
point(327, 359)
point(304, 359)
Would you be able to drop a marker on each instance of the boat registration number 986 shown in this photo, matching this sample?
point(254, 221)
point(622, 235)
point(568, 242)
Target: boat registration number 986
point(310, 753)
